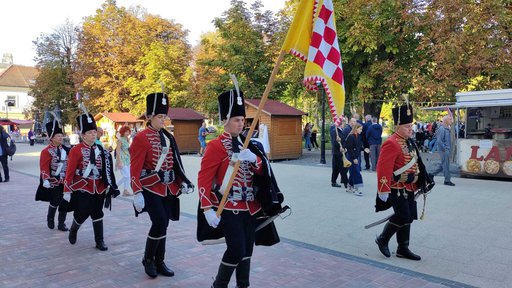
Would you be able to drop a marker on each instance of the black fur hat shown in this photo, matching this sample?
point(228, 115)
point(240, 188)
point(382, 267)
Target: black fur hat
point(157, 103)
point(402, 114)
point(53, 128)
point(86, 122)
point(231, 104)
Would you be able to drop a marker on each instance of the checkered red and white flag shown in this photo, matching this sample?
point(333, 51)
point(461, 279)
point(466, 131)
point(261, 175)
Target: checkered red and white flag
point(312, 37)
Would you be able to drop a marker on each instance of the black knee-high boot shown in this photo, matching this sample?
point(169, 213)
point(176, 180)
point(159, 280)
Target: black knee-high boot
point(383, 239)
point(73, 232)
point(223, 276)
point(62, 221)
point(242, 273)
point(50, 218)
point(149, 257)
point(402, 237)
point(98, 235)
point(159, 260)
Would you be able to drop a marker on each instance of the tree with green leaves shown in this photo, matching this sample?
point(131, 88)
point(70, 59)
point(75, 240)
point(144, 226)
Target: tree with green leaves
point(240, 46)
point(126, 54)
point(55, 56)
point(466, 46)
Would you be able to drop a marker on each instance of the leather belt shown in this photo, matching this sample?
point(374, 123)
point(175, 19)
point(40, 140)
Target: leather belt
point(91, 176)
point(166, 177)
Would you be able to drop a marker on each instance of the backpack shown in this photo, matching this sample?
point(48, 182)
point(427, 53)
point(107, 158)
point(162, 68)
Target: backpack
point(11, 148)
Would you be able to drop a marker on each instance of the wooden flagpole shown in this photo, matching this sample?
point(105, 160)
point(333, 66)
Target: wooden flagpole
point(251, 130)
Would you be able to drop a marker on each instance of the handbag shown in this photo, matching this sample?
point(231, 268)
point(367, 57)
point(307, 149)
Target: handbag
point(346, 163)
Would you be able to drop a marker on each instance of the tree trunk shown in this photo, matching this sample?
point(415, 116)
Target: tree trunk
point(372, 108)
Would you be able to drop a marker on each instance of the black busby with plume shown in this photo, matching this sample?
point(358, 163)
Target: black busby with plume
point(53, 127)
point(157, 103)
point(231, 103)
point(403, 114)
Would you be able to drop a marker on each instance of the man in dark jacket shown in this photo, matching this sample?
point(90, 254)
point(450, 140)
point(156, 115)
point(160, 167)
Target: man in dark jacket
point(374, 137)
point(366, 144)
point(337, 144)
point(3, 153)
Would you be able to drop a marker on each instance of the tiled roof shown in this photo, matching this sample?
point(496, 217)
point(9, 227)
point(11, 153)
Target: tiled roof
point(184, 114)
point(273, 107)
point(18, 76)
point(118, 117)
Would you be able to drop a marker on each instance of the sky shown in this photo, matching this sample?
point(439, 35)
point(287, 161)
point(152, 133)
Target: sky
point(22, 21)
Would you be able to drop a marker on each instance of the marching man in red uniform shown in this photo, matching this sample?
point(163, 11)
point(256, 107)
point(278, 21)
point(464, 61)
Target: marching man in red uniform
point(398, 171)
point(52, 165)
point(237, 223)
point(157, 179)
point(90, 179)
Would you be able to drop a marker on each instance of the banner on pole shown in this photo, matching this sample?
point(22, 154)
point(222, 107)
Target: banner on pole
point(312, 37)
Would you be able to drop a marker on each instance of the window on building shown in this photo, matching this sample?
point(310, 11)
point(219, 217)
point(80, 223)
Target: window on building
point(12, 101)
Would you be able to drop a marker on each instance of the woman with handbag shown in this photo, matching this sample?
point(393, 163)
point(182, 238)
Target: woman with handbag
point(354, 147)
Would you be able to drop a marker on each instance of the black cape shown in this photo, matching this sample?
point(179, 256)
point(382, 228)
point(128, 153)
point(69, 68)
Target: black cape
point(267, 194)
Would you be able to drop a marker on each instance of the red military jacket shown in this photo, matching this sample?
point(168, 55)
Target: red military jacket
point(214, 165)
point(49, 162)
point(145, 151)
point(394, 155)
point(79, 158)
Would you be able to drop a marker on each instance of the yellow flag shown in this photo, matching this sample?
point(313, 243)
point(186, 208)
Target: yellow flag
point(312, 37)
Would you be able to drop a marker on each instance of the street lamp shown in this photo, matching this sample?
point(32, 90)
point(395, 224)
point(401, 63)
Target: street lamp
point(322, 145)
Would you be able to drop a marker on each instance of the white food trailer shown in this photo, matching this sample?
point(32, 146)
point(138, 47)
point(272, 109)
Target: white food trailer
point(486, 148)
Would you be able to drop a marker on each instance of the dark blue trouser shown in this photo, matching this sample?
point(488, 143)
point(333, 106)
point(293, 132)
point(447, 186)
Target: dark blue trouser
point(239, 229)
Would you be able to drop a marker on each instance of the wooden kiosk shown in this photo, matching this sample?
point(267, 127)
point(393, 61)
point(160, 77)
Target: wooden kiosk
point(284, 125)
point(186, 123)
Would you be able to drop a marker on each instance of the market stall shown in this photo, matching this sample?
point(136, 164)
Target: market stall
point(486, 149)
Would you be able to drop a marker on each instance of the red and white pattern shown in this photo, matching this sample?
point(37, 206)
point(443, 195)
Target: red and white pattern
point(324, 51)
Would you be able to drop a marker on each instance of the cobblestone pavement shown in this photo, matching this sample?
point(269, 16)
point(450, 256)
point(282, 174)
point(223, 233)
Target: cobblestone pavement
point(34, 256)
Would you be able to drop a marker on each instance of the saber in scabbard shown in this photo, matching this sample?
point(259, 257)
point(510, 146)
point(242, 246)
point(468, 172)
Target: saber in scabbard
point(416, 196)
point(378, 222)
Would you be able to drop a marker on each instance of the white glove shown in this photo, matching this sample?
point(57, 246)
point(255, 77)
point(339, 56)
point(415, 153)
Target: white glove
point(187, 188)
point(67, 197)
point(46, 184)
point(211, 218)
point(383, 196)
point(247, 155)
point(138, 201)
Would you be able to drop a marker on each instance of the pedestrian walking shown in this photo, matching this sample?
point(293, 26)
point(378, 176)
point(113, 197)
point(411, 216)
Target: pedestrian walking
point(31, 137)
point(374, 137)
point(366, 144)
point(314, 143)
point(254, 182)
point(3, 154)
point(354, 145)
point(52, 167)
point(338, 149)
point(89, 181)
point(158, 179)
point(123, 159)
point(202, 138)
point(443, 143)
point(307, 136)
point(397, 175)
